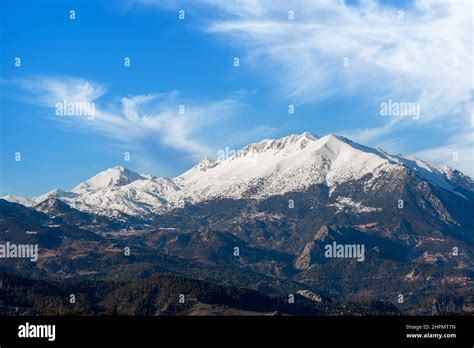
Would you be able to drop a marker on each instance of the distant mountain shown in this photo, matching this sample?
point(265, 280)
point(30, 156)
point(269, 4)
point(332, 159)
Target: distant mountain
point(19, 224)
point(268, 168)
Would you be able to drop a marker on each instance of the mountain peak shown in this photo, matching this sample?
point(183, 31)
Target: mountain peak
point(298, 141)
point(115, 176)
point(26, 201)
point(51, 205)
point(337, 137)
point(309, 135)
point(293, 138)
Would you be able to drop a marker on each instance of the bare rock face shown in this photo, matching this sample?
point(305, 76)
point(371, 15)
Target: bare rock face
point(306, 258)
point(428, 201)
point(322, 233)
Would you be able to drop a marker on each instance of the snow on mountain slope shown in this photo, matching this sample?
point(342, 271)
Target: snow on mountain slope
point(273, 167)
point(27, 202)
point(263, 169)
point(347, 204)
point(437, 175)
point(56, 193)
point(119, 189)
point(115, 190)
point(115, 176)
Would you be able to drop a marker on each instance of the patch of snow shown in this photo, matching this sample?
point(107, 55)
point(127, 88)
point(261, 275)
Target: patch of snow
point(347, 204)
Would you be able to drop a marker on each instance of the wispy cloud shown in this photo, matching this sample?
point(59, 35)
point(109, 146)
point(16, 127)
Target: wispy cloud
point(136, 121)
point(423, 53)
point(48, 90)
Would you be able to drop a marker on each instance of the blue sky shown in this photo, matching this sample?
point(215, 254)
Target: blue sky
point(335, 61)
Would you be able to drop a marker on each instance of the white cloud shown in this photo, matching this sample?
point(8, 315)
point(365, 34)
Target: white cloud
point(424, 57)
point(137, 121)
point(47, 91)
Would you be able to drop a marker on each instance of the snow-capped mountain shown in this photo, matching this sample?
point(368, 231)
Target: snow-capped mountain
point(264, 169)
point(19, 199)
point(117, 190)
point(296, 162)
